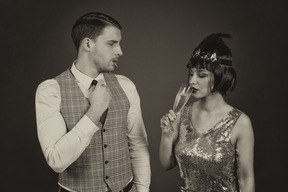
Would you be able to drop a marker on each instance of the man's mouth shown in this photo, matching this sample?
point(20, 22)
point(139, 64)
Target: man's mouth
point(115, 62)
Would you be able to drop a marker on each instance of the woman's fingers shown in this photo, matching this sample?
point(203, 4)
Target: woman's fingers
point(167, 120)
point(171, 112)
point(164, 121)
point(171, 115)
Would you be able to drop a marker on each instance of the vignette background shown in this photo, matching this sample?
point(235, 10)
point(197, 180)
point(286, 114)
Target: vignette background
point(157, 39)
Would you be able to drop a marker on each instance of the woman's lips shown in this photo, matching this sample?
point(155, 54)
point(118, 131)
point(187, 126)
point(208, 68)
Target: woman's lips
point(194, 90)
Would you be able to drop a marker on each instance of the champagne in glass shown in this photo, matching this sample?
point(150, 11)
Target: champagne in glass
point(182, 97)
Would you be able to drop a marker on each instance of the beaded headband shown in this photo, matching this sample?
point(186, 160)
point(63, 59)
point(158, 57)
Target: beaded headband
point(208, 57)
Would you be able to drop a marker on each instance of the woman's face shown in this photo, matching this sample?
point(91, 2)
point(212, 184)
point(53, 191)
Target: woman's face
point(200, 81)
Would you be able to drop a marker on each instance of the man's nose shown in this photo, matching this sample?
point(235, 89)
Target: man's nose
point(119, 51)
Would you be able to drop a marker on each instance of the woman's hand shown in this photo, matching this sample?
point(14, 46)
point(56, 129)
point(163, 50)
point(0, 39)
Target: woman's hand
point(169, 125)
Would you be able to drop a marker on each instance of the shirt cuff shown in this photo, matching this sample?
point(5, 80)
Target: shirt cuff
point(87, 126)
point(141, 188)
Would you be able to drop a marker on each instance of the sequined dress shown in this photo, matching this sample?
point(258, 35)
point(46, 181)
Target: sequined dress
point(207, 161)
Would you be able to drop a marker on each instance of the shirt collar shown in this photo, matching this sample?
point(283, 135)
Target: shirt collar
point(84, 79)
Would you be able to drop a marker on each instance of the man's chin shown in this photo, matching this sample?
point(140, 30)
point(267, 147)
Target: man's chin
point(109, 69)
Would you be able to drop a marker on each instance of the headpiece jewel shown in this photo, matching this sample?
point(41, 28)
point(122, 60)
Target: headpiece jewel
point(208, 57)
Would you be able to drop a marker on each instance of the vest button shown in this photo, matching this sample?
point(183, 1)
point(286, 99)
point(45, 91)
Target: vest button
point(106, 162)
point(104, 130)
point(106, 177)
point(105, 145)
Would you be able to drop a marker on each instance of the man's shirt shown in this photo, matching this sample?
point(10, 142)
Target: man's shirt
point(62, 148)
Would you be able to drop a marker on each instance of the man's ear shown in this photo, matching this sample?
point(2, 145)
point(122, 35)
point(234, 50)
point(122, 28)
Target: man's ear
point(86, 44)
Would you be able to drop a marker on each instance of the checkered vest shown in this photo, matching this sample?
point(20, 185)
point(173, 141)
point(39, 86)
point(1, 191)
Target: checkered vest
point(106, 160)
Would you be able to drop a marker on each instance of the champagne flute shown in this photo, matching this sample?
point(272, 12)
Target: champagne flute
point(182, 97)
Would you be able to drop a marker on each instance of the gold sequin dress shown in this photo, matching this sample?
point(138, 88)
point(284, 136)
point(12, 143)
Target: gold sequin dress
point(207, 161)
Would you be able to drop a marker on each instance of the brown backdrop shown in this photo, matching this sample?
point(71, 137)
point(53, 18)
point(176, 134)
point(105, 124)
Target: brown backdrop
point(158, 38)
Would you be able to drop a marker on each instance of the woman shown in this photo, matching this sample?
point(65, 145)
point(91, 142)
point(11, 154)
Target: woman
point(211, 141)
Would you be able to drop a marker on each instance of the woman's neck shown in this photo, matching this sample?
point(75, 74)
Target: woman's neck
point(212, 102)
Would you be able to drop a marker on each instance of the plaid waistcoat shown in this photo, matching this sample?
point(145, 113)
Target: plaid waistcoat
point(106, 160)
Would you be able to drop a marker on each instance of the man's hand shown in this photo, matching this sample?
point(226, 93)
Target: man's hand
point(99, 98)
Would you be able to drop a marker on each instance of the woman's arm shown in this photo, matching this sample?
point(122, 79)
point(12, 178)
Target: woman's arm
point(245, 149)
point(169, 125)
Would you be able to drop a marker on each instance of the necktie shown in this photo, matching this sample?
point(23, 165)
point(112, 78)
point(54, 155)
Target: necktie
point(94, 82)
point(103, 117)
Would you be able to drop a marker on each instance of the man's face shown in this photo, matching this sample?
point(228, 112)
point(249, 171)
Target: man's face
point(106, 49)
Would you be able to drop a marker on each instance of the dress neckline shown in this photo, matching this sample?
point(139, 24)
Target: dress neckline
point(211, 128)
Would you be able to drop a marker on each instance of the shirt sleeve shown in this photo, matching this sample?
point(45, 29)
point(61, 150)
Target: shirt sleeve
point(60, 148)
point(137, 138)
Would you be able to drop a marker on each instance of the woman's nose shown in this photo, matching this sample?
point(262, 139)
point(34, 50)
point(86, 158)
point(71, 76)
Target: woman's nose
point(193, 80)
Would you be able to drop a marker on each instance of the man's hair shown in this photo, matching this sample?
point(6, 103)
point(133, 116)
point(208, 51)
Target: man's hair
point(90, 25)
point(215, 56)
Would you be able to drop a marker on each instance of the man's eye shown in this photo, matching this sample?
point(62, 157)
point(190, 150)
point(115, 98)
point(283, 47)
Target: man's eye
point(111, 43)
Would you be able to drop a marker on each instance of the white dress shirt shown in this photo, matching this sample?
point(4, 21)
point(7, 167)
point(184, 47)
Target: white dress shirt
point(62, 148)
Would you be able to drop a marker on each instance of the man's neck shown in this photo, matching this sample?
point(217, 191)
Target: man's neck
point(86, 67)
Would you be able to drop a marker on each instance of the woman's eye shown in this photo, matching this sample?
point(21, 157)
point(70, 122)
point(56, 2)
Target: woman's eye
point(202, 75)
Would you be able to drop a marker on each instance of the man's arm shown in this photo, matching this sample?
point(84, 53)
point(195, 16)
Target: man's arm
point(138, 142)
point(60, 148)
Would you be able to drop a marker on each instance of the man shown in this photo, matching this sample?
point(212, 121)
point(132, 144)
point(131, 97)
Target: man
point(89, 120)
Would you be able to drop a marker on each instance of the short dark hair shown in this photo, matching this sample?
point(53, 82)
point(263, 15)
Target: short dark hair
point(215, 56)
point(91, 25)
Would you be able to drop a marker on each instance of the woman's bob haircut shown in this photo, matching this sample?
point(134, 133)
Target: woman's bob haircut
point(215, 56)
